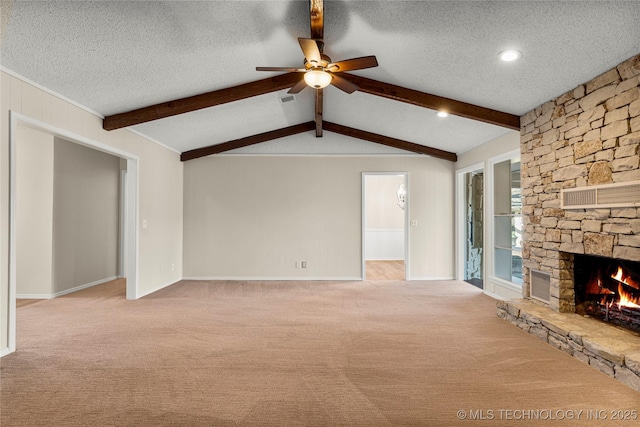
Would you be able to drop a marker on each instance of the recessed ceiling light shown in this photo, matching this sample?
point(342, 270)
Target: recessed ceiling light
point(510, 55)
point(442, 114)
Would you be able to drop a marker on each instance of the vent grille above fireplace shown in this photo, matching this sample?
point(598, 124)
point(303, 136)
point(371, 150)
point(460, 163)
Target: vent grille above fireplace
point(601, 196)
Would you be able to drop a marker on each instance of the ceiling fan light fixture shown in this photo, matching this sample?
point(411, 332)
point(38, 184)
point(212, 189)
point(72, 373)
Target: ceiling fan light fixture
point(510, 55)
point(317, 78)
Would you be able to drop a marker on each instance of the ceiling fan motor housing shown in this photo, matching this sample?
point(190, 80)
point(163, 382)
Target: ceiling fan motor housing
point(322, 64)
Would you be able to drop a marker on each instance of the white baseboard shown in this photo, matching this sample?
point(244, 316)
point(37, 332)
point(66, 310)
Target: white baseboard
point(66, 291)
point(305, 278)
point(34, 296)
point(495, 296)
point(502, 289)
point(282, 279)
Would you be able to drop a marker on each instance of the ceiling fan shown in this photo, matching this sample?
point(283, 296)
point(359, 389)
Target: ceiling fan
point(319, 71)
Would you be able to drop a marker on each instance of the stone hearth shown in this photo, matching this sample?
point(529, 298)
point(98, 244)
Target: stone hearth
point(611, 350)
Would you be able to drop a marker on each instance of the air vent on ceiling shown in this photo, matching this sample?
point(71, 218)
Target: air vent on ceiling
point(540, 285)
point(287, 98)
point(602, 196)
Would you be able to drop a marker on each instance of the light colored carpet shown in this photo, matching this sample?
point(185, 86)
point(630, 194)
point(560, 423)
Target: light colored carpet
point(290, 353)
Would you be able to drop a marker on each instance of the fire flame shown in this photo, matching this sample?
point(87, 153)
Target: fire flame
point(624, 278)
point(626, 298)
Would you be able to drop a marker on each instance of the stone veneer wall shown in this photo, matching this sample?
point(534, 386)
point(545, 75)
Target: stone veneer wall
point(587, 136)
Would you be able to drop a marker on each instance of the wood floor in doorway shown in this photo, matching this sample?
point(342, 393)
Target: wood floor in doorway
point(385, 270)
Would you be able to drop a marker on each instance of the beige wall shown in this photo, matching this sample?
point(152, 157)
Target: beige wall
point(503, 144)
point(382, 207)
point(34, 212)
point(160, 182)
point(254, 217)
point(86, 210)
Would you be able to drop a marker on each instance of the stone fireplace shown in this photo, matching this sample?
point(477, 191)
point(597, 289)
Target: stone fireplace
point(589, 136)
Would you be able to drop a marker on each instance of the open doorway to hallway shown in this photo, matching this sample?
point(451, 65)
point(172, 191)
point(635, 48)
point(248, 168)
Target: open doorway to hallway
point(384, 226)
point(68, 215)
point(126, 237)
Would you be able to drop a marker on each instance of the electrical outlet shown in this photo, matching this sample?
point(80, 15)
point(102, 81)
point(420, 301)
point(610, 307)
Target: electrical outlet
point(304, 264)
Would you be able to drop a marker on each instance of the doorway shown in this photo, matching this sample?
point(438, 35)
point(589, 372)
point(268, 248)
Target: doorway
point(473, 211)
point(129, 203)
point(384, 226)
point(67, 216)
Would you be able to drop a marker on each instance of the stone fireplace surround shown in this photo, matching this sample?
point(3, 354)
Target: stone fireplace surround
point(587, 136)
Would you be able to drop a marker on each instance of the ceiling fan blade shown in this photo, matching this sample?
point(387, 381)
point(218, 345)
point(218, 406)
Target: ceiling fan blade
point(310, 50)
point(290, 69)
point(353, 64)
point(343, 84)
point(298, 87)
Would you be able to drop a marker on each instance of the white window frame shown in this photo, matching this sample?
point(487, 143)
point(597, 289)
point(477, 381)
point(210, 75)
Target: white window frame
point(496, 286)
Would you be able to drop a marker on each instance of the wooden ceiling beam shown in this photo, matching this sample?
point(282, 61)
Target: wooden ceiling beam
point(391, 142)
point(316, 18)
point(197, 102)
point(309, 126)
point(249, 140)
point(319, 95)
point(316, 21)
point(434, 102)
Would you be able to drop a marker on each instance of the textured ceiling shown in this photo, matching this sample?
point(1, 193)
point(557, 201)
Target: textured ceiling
point(113, 57)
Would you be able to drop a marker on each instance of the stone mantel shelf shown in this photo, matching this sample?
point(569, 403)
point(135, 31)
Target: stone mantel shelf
point(610, 349)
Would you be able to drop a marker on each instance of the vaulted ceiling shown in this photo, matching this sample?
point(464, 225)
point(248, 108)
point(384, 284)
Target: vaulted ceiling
point(118, 57)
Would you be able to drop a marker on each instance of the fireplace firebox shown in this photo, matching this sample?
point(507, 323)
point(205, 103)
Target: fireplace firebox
point(608, 289)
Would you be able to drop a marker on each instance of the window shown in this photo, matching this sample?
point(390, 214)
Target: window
point(507, 225)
